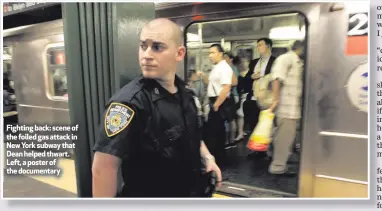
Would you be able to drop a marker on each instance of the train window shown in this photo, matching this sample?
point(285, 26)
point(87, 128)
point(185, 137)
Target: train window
point(7, 66)
point(7, 69)
point(7, 60)
point(245, 52)
point(56, 74)
point(240, 36)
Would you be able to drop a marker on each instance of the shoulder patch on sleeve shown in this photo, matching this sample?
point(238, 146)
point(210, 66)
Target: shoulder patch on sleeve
point(118, 116)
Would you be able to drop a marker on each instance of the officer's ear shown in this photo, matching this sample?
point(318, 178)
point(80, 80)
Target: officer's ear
point(180, 53)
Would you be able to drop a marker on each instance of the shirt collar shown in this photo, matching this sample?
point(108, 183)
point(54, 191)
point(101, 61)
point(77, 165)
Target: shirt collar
point(157, 91)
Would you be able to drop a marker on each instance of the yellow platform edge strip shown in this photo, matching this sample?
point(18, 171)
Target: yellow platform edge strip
point(219, 196)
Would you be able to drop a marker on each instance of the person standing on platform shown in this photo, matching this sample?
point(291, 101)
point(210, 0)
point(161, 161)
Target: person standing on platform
point(150, 127)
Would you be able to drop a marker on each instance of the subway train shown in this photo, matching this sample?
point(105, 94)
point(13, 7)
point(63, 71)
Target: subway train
point(333, 132)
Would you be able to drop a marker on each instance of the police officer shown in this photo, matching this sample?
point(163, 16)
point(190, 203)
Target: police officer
point(150, 127)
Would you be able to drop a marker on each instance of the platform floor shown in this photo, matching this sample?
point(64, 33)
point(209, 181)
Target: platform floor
point(27, 187)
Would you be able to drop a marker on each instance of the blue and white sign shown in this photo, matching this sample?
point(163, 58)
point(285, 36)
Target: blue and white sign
point(357, 87)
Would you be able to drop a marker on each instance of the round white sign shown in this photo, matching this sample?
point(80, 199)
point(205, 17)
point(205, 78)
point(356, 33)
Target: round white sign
point(357, 87)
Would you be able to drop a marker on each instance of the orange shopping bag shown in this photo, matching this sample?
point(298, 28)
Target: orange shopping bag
point(261, 135)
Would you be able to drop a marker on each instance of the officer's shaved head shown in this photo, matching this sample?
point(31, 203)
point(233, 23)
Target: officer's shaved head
point(161, 49)
point(164, 24)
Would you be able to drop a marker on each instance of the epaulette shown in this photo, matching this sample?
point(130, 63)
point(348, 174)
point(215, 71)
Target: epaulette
point(127, 92)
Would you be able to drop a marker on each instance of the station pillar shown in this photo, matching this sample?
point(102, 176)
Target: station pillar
point(101, 47)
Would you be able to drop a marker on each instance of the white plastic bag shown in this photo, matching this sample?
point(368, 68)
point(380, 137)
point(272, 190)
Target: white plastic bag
point(261, 135)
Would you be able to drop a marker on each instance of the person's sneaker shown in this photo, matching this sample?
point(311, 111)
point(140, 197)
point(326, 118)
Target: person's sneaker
point(280, 171)
point(231, 145)
point(238, 138)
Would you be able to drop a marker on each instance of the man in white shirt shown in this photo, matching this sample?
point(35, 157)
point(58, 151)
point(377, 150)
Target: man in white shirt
point(287, 89)
point(218, 92)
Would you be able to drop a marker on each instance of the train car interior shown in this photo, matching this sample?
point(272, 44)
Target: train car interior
point(239, 37)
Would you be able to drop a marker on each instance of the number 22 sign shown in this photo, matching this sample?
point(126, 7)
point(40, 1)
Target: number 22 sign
point(357, 35)
point(358, 24)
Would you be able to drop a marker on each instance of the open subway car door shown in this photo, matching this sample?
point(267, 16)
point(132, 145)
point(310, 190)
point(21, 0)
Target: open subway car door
point(328, 148)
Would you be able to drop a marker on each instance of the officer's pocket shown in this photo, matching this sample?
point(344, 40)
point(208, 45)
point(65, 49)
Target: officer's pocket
point(170, 140)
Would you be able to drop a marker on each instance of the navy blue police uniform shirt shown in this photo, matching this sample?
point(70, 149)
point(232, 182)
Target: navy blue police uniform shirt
point(156, 134)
